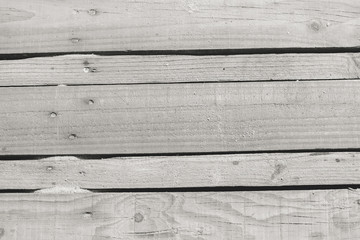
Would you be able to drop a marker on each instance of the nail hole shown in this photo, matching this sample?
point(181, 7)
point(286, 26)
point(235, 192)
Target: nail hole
point(87, 214)
point(75, 40)
point(92, 12)
point(53, 114)
point(91, 102)
point(49, 168)
point(89, 69)
point(72, 136)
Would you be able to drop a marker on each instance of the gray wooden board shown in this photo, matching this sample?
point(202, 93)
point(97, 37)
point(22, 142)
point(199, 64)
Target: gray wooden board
point(297, 215)
point(128, 69)
point(275, 169)
point(30, 26)
point(174, 118)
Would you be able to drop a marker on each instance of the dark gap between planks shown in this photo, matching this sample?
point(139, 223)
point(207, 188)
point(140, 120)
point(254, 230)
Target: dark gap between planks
point(173, 83)
point(198, 52)
point(351, 187)
point(106, 156)
point(231, 189)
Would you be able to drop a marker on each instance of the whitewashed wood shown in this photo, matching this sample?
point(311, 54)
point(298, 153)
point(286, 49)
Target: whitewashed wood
point(276, 169)
point(171, 118)
point(93, 69)
point(83, 25)
point(298, 215)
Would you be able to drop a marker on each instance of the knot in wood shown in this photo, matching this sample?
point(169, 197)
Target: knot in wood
point(138, 217)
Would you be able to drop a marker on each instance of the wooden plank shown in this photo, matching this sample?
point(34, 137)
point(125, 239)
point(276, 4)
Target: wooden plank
point(174, 118)
point(298, 215)
point(112, 25)
point(93, 69)
point(276, 169)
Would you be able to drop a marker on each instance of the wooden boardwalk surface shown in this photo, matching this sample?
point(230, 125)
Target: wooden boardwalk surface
point(179, 119)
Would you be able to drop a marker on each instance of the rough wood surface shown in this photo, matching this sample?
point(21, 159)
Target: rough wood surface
point(172, 118)
point(92, 69)
point(277, 169)
point(112, 25)
point(297, 215)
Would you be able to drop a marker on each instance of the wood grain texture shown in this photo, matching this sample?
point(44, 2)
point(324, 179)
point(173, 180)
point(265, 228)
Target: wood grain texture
point(276, 169)
point(173, 118)
point(112, 25)
point(298, 215)
point(93, 69)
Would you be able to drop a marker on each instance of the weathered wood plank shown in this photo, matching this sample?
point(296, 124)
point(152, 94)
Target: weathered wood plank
point(112, 25)
point(92, 69)
point(170, 118)
point(298, 215)
point(276, 169)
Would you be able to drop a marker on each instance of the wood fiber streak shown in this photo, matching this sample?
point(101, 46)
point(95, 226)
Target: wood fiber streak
point(174, 118)
point(93, 69)
point(112, 25)
point(298, 215)
point(277, 169)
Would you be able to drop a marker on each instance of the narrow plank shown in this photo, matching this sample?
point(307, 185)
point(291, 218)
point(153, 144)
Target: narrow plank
point(298, 215)
point(173, 118)
point(93, 69)
point(276, 169)
point(112, 25)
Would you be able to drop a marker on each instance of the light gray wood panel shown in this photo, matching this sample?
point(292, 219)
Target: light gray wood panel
point(171, 118)
point(29, 26)
point(276, 169)
point(298, 215)
point(93, 69)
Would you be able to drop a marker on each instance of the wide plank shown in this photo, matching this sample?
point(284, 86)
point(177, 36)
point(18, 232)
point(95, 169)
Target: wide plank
point(250, 170)
point(128, 69)
point(298, 215)
point(177, 118)
point(30, 26)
